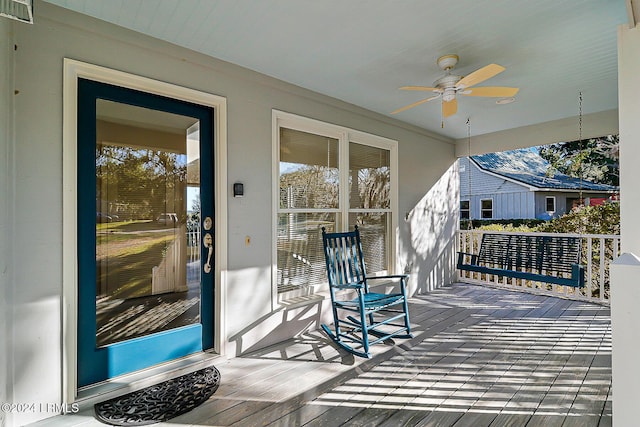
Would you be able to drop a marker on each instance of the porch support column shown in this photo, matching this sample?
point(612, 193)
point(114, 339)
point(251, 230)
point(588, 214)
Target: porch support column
point(625, 287)
point(625, 301)
point(629, 125)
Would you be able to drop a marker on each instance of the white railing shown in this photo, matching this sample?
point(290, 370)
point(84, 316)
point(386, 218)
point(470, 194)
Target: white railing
point(193, 245)
point(598, 250)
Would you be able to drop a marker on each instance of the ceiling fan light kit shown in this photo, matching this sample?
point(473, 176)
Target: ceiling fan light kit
point(449, 86)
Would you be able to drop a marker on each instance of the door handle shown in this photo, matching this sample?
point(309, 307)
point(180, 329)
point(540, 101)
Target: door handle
point(207, 242)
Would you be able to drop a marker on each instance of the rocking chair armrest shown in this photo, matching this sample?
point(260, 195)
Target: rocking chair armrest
point(403, 280)
point(390, 276)
point(350, 286)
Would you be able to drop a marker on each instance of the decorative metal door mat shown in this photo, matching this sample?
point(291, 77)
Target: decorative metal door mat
point(160, 402)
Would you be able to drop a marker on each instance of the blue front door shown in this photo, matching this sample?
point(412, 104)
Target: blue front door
point(145, 230)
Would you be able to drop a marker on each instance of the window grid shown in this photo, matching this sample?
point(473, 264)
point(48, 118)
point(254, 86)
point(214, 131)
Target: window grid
point(550, 203)
point(486, 208)
point(465, 209)
point(299, 259)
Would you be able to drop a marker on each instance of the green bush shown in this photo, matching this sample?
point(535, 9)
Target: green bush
point(502, 224)
point(602, 219)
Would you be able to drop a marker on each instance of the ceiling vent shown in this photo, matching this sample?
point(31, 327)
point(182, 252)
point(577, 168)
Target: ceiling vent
point(20, 10)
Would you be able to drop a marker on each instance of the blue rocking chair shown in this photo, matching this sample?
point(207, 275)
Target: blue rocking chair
point(383, 316)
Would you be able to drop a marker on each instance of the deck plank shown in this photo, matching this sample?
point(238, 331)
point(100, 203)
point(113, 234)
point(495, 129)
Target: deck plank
point(481, 356)
point(475, 419)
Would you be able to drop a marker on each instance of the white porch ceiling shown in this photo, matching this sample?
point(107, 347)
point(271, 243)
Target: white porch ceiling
point(362, 51)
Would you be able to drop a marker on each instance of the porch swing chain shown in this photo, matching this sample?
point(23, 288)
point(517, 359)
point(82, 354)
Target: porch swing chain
point(581, 148)
point(470, 222)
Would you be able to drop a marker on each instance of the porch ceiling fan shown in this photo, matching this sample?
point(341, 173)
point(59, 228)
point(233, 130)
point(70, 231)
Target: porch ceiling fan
point(449, 86)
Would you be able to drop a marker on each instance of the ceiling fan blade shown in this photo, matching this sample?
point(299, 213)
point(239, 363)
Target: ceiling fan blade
point(492, 91)
point(424, 88)
point(480, 75)
point(449, 108)
point(415, 104)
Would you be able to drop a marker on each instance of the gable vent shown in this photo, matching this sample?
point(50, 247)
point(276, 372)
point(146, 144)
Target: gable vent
point(20, 10)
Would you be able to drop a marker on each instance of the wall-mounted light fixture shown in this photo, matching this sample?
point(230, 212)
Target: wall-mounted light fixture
point(238, 189)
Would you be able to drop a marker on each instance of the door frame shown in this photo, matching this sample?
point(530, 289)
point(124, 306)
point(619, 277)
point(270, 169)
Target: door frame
point(73, 70)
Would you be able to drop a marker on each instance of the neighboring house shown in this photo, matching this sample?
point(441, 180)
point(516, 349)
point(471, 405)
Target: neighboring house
point(517, 184)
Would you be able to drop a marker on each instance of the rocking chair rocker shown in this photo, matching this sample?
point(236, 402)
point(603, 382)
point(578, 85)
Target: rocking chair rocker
point(382, 315)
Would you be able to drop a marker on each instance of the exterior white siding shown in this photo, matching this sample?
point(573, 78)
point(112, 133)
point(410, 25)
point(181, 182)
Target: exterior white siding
point(510, 199)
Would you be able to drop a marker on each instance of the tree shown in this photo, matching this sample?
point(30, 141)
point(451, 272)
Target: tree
point(595, 159)
point(309, 186)
point(143, 180)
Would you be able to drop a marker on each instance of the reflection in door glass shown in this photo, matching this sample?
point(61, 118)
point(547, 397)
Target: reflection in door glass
point(147, 221)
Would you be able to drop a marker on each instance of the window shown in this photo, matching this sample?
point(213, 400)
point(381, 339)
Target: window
point(330, 177)
point(464, 209)
point(308, 200)
point(550, 203)
point(486, 208)
point(370, 201)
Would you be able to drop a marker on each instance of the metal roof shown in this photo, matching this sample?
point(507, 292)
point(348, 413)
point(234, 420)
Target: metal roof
point(527, 166)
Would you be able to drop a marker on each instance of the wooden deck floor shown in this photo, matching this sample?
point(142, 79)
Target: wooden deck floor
point(480, 357)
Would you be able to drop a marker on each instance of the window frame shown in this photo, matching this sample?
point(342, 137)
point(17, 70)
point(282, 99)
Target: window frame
point(345, 136)
point(482, 210)
point(467, 210)
point(546, 204)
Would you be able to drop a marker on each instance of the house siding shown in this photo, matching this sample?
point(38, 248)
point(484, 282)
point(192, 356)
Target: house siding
point(426, 237)
point(510, 199)
point(561, 203)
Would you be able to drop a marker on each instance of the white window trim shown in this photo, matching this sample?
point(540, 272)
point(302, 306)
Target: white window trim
point(555, 207)
point(468, 209)
point(344, 136)
point(492, 208)
point(72, 71)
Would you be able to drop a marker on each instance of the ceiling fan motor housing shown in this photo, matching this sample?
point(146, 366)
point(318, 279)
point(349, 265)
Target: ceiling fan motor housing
point(447, 82)
point(449, 95)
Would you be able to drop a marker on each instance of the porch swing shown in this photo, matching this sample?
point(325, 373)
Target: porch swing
point(541, 258)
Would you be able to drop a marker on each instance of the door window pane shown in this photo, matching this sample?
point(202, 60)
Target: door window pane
point(147, 221)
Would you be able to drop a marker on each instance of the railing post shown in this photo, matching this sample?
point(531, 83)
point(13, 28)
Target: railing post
point(589, 257)
point(602, 268)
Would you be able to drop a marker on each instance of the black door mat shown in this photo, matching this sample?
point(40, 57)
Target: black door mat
point(160, 402)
